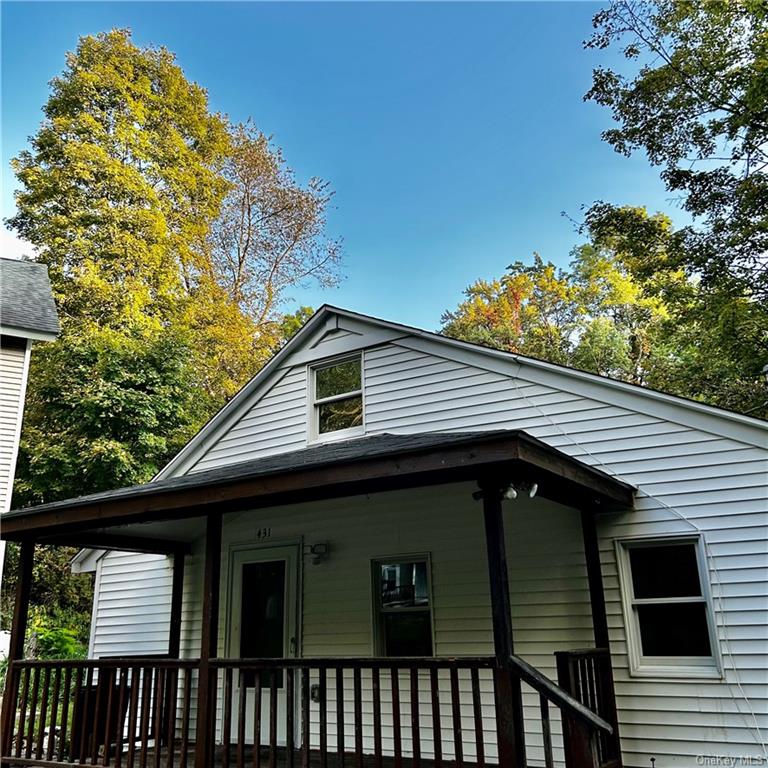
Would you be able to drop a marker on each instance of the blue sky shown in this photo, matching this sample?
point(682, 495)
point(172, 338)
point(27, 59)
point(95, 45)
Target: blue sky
point(454, 134)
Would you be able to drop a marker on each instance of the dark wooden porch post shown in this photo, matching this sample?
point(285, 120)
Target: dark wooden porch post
point(206, 690)
point(509, 702)
point(177, 598)
point(600, 625)
point(595, 578)
point(18, 633)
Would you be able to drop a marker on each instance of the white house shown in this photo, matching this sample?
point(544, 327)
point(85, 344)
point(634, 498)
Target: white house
point(374, 552)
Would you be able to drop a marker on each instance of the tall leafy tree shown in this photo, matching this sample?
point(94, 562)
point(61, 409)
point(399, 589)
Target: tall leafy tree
point(131, 192)
point(120, 183)
point(172, 239)
point(696, 101)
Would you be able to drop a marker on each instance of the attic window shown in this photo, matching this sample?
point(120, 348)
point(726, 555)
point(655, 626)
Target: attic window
point(338, 398)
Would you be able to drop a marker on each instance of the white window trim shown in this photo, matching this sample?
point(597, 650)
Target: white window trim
point(376, 622)
point(665, 667)
point(313, 432)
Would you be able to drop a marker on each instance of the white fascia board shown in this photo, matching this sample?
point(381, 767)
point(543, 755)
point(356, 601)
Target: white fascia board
point(86, 560)
point(26, 333)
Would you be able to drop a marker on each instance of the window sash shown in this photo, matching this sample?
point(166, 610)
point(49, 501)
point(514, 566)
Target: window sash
point(379, 611)
point(334, 398)
point(666, 666)
point(315, 403)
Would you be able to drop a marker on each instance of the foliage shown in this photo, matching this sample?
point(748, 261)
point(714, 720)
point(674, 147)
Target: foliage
point(52, 636)
point(130, 192)
point(104, 409)
point(59, 597)
point(697, 104)
point(120, 182)
point(608, 314)
point(169, 300)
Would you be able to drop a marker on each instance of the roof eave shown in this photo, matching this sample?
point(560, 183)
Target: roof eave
point(33, 334)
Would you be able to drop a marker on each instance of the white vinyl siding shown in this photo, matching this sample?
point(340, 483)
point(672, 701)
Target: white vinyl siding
point(131, 609)
point(13, 379)
point(695, 473)
point(277, 423)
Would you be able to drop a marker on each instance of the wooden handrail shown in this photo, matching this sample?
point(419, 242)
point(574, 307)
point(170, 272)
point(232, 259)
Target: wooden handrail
point(554, 693)
point(113, 662)
point(360, 662)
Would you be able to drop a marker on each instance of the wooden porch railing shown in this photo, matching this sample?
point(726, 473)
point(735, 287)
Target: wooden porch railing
point(587, 675)
point(108, 712)
point(280, 713)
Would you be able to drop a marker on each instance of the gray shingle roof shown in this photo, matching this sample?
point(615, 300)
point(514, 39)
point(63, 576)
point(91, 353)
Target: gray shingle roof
point(312, 457)
point(26, 301)
point(323, 454)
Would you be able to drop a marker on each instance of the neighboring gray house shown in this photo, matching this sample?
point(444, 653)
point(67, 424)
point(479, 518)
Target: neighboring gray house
point(386, 549)
point(27, 314)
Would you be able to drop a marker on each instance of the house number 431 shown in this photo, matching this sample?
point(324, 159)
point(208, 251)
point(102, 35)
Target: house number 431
point(264, 533)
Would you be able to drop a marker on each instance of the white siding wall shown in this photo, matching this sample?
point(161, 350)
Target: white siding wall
point(131, 605)
point(691, 478)
point(13, 379)
point(277, 423)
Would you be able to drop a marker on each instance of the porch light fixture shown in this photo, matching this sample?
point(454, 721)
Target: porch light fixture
point(530, 489)
point(319, 552)
point(512, 490)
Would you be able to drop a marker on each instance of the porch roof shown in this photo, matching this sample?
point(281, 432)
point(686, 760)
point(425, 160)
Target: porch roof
point(343, 468)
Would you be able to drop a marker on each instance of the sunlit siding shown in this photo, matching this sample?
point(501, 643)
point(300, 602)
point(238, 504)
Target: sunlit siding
point(278, 422)
point(690, 480)
point(131, 605)
point(691, 477)
point(13, 377)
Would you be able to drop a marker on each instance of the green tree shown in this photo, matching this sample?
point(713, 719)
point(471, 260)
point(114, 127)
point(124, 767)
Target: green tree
point(593, 316)
point(119, 185)
point(696, 102)
point(128, 192)
point(608, 314)
point(713, 342)
point(121, 182)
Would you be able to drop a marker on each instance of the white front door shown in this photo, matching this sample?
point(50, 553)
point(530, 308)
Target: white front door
point(263, 616)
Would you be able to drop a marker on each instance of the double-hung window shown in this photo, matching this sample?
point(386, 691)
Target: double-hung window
point(337, 398)
point(403, 607)
point(667, 608)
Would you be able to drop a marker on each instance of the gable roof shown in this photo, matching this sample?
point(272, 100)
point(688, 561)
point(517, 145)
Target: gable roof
point(27, 308)
point(455, 348)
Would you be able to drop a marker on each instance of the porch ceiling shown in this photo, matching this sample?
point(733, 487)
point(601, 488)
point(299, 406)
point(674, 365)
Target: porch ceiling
point(364, 465)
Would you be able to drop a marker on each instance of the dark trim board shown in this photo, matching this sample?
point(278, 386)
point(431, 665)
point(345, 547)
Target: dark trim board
point(372, 464)
point(119, 543)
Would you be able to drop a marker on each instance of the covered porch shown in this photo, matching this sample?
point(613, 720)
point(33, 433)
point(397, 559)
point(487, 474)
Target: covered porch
point(211, 706)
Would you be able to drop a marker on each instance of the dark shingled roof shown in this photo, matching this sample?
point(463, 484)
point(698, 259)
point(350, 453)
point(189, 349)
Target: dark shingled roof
point(26, 301)
point(313, 457)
